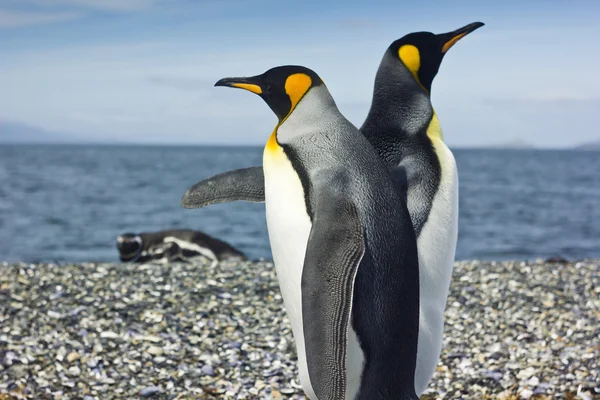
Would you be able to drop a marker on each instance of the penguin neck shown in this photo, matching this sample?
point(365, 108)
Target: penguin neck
point(317, 108)
point(400, 112)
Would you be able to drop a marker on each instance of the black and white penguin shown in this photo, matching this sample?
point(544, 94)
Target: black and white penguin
point(174, 245)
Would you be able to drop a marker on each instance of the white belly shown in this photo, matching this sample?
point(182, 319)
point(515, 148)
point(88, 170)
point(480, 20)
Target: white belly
point(289, 228)
point(436, 247)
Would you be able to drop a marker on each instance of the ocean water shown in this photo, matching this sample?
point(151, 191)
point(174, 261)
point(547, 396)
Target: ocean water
point(68, 203)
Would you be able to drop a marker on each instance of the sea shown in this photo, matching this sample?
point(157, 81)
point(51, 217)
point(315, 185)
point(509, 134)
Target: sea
point(68, 203)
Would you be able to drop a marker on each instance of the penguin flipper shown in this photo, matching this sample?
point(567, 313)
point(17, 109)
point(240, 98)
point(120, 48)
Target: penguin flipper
point(334, 251)
point(246, 184)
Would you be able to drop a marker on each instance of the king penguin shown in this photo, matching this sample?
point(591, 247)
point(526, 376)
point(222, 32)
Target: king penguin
point(343, 244)
point(405, 131)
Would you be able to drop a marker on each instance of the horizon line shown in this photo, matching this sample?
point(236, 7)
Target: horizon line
point(197, 144)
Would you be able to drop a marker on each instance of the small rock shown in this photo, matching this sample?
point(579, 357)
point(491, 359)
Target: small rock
point(526, 394)
point(495, 348)
point(526, 373)
point(73, 356)
point(150, 338)
point(155, 350)
point(542, 388)
point(18, 371)
point(533, 381)
point(77, 310)
point(150, 391)
point(207, 370)
point(92, 362)
point(109, 335)
point(8, 359)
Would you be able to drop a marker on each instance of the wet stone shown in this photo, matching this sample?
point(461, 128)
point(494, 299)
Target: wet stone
point(207, 370)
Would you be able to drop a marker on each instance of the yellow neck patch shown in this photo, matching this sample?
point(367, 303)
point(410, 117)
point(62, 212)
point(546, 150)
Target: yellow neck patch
point(452, 42)
point(296, 86)
point(272, 144)
point(434, 130)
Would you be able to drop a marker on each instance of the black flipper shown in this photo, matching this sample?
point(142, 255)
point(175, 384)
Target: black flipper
point(334, 251)
point(246, 184)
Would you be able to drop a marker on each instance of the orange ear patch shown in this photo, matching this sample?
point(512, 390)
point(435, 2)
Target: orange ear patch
point(411, 57)
point(296, 86)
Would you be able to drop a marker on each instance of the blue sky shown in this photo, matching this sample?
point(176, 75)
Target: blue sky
point(143, 70)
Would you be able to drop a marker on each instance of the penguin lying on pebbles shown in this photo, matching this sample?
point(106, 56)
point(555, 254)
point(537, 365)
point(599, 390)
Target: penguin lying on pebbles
point(174, 245)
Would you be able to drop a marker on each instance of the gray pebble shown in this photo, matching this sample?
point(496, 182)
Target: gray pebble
point(149, 391)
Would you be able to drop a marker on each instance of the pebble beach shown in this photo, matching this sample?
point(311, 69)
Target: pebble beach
point(514, 330)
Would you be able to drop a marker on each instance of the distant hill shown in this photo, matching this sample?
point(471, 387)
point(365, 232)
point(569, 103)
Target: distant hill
point(14, 132)
point(592, 146)
point(514, 144)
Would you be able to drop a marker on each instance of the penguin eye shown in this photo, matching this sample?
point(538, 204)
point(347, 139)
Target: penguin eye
point(268, 87)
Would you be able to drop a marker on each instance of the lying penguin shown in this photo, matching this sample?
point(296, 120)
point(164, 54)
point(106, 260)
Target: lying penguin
point(174, 245)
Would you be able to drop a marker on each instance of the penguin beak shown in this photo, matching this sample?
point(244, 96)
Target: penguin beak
point(250, 84)
point(447, 40)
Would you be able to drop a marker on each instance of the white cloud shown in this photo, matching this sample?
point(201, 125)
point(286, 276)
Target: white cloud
point(12, 19)
point(113, 5)
point(18, 13)
point(34, 12)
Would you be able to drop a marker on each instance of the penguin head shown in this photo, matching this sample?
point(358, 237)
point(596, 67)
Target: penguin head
point(130, 246)
point(421, 53)
point(281, 88)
